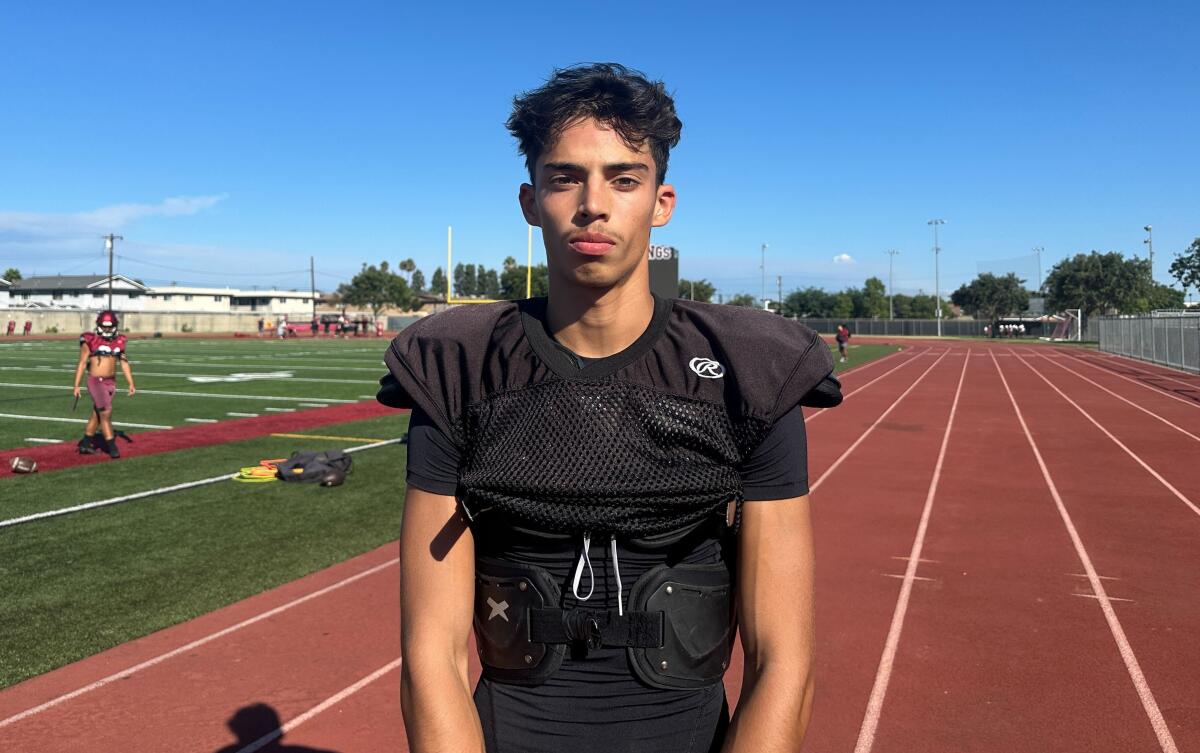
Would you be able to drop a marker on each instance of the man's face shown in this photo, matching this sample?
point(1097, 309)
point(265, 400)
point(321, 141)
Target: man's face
point(595, 199)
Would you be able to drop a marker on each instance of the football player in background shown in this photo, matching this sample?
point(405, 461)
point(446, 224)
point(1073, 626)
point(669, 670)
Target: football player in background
point(99, 353)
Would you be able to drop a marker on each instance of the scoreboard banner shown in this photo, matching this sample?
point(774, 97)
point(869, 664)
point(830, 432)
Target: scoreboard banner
point(664, 271)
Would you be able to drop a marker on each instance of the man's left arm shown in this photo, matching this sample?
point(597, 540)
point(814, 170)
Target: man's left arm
point(775, 613)
point(128, 372)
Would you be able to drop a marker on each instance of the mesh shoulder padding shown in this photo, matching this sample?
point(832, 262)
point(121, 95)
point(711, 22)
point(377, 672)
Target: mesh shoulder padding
point(568, 456)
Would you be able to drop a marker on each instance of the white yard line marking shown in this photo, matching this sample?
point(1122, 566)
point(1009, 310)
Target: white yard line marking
point(1165, 741)
point(1151, 387)
point(816, 413)
point(201, 420)
point(288, 378)
point(189, 394)
point(380, 369)
point(866, 733)
point(314, 405)
point(43, 441)
point(57, 419)
point(1130, 402)
point(1178, 494)
point(240, 415)
point(281, 410)
point(125, 673)
point(332, 700)
point(871, 428)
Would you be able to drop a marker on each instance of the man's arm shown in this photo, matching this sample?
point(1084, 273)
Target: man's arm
point(775, 612)
point(81, 366)
point(437, 598)
point(128, 376)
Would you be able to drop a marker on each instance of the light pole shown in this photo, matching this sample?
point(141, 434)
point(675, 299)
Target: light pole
point(891, 291)
point(937, 287)
point(108, 246)
point(1150, 244)
point(1038, 250)
point(763, 268)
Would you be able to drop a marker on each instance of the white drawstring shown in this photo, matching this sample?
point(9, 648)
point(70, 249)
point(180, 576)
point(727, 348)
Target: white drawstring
point(617, 572)
point(584, 556)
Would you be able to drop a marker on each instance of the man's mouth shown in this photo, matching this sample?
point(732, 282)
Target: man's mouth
point(592, 244)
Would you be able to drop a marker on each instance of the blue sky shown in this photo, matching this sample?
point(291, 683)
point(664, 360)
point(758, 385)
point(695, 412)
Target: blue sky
point(228, 141)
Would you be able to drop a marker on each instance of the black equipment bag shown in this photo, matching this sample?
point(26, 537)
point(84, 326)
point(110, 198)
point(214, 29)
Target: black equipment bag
point(309, 465)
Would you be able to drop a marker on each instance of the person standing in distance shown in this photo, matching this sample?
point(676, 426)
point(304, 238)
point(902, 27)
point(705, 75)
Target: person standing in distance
point(604, 484)
point(99, 353)
point(842, 337)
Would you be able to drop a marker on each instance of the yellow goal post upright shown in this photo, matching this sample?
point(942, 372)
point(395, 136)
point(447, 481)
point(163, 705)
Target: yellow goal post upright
point(450, 299)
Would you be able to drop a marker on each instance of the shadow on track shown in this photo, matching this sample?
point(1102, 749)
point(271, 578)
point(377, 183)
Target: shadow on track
point(250, 724)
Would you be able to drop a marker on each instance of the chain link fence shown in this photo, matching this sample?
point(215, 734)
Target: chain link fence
point(1169, 340)
point(910, 327)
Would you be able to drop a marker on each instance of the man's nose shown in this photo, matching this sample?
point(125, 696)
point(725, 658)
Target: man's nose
point(594, 200)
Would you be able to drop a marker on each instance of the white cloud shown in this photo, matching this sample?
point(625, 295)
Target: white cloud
point(843, 259)
point(43, 227)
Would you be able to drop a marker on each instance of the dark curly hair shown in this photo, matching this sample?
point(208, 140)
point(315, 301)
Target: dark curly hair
point(638, 109)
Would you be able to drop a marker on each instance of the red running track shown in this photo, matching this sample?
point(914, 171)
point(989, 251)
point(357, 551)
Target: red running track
point(987, 580)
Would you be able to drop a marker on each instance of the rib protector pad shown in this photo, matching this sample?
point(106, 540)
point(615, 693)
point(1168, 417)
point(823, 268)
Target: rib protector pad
point(698, 625)
point(505, 596)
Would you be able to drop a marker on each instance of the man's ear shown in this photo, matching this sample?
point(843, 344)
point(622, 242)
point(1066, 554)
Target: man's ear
point(529, 207)
point(664, 205)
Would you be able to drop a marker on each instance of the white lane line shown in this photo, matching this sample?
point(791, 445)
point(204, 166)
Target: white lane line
point(241, 415)
point(314, 405)
point(1180, 495)
point(1163, 373)
point(332, 700)
point(189, 394)
point(1165, 741)
point(281, 410)
point(906, 362)
point(871, 428)
point(161, 490)
point(201, 420)
point(1156, 390)
point(1130, 402)
point(43, 441)
point(24, 417)
point(866, 733)
point(126, 673)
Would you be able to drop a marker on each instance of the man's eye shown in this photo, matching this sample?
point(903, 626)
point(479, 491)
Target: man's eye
point(626, 182)
point(561, 180)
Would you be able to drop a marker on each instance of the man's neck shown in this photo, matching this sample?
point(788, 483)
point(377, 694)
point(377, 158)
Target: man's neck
point(597, 323)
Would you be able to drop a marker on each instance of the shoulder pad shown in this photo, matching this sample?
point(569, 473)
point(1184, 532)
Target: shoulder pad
point(119, 344)
point(777, 363)
point(437, 363)
point(88, 339)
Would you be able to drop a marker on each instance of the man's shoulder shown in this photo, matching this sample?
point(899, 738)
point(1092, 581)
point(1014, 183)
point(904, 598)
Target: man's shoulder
point(463, 321)
point(748, 325)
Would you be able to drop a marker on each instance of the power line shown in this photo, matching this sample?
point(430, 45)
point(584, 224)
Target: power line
point(211, 273)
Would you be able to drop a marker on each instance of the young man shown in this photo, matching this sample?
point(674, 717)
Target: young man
point(577, 471)
point(843, 337)
point(99, 353)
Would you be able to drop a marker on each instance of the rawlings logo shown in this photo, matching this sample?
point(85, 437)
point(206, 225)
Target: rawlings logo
point(707, 368)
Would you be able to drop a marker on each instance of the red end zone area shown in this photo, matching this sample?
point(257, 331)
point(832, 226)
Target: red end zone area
point(1007, 561)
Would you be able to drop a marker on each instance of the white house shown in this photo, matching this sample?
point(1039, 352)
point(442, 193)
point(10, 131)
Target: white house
point(90, 292)
point(4, 286)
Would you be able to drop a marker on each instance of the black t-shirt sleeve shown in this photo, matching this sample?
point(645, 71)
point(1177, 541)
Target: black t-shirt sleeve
point(433, 459)
point(778, 468)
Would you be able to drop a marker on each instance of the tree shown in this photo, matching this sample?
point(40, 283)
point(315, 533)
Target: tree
point(1163, 297)
point(1097, 283)
point(989, 297)
point(1185, 267)
point(873, 302)
point(418, 281)
point(809, 302)
point(376, 288)
point(12, 274)
point(460, 279)
point(743, 299)
point(703, 290)
point(437, 284)
point(489, 284)
point(408, 266)
point(843, 305)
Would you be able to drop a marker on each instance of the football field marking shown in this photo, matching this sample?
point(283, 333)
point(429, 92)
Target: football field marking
point(1165, 740)
point(43, 441)
point(332, 700)
point(1178, 494)
point(58, 419)
point(173, 393)
point(866, 733)
point(129, 672)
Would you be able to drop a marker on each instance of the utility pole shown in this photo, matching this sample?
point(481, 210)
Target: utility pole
point(1038, 250)
point(108, 246)
point(1150, 243)
point(891, 291)
point(763, 268)
point(692, 290)
point(779, 283)
point(312, 282)
point(937, 287)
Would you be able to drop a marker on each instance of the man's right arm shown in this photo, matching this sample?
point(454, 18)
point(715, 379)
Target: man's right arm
point(437, 596)
point(81, 366)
